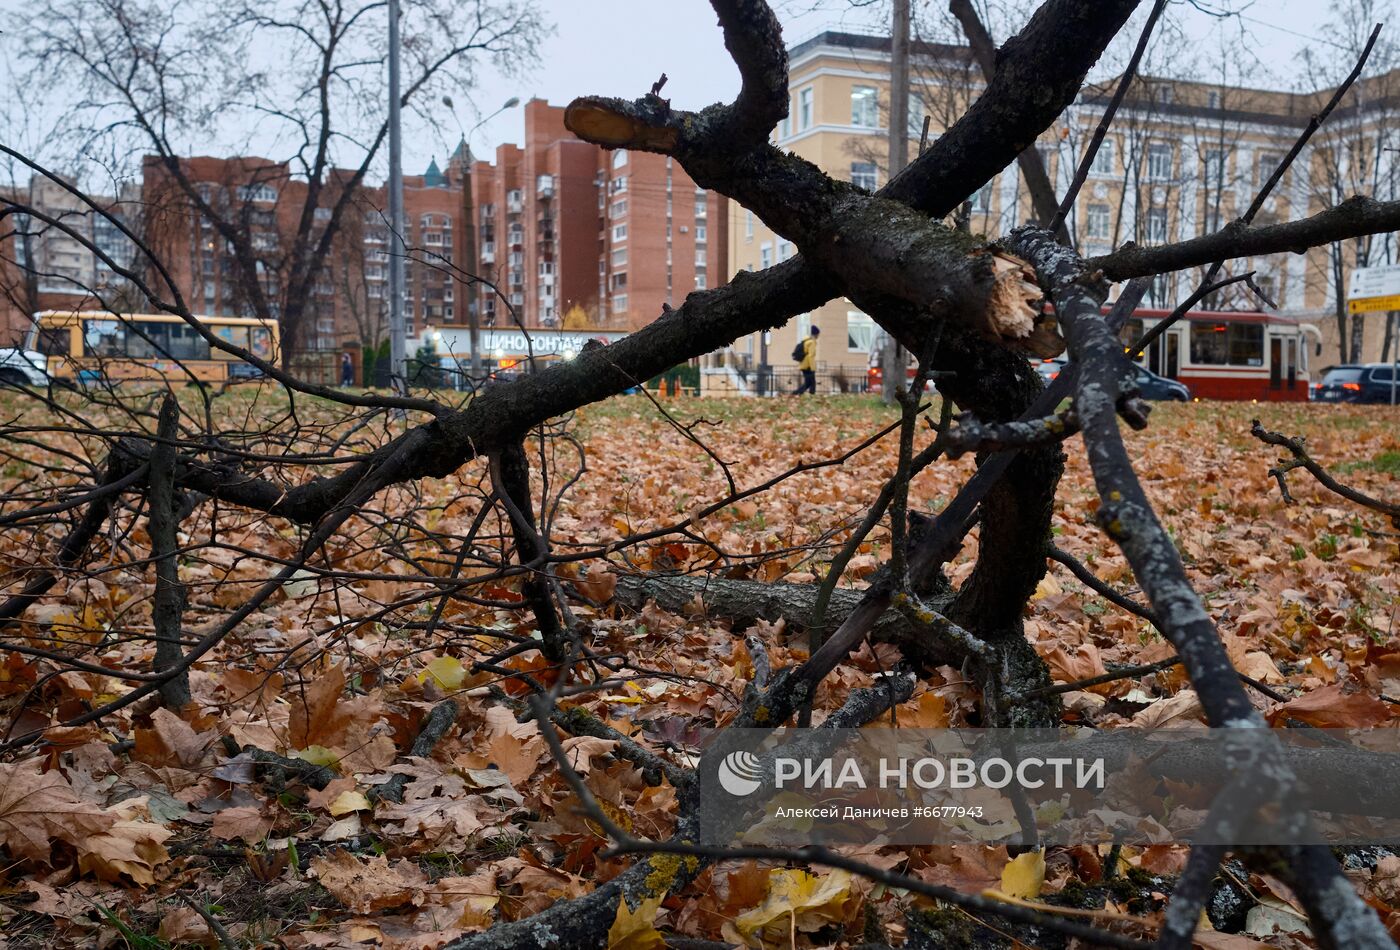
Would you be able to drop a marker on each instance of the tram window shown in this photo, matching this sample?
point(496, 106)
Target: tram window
point(1227, 344)
point(1131, 332)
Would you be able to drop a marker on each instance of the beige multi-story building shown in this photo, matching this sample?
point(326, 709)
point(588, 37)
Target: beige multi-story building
point(1182, 159)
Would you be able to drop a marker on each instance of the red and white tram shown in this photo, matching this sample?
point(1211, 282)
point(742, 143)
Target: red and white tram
point(1230, 355)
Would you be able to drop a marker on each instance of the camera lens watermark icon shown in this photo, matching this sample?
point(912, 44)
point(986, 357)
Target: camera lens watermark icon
point(739, 773)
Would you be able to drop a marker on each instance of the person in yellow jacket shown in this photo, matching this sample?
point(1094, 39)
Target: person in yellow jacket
point(808, 363)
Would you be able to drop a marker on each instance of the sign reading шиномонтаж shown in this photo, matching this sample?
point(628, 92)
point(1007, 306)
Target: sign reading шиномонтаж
point(942, 786)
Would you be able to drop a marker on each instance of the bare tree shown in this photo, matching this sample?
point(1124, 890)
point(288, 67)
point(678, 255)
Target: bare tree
point(152, 78)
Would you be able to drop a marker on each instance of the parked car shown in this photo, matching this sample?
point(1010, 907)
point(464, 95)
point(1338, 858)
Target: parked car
point(20, 367)
point(1150, 385)
point(1358, 382)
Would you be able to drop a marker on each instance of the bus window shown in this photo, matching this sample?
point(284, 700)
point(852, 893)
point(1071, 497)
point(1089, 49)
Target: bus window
point(234, 336)
point(183, 342)
point(261, 343)
point(55, 342)
point(104, 338)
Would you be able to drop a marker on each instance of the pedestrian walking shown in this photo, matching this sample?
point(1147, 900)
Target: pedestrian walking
point(807, 362)
point(347, 370)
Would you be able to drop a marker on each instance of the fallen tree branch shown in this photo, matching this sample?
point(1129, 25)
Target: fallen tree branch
point(1301, 459)
point(435, 725)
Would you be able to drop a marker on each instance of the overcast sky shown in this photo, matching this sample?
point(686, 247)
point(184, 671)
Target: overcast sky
point(620, 47)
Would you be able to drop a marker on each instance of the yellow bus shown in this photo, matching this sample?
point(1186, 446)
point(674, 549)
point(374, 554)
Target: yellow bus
point(95, 344)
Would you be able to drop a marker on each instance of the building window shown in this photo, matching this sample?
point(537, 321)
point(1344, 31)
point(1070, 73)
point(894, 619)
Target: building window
point(804, 109)
point(702, 206)
point(982, 199)
point(619, 281)
point(617, 184)
point(1099, 222)
point(1157, 225)
point(617, 209)
point(1212, 100)
point(1268, 164)
point(765, 255)
point(257, 193)
point(619, 257)
point(784, 250)
point(748, 225)
point(1159, 162)
point(1227, 344)
point(700, 233)
point(864, 107)
point(619, 303)
point(619, 158)
point(916, 116)
point(864, 175)
point(619, 232)
point(700, 257)
point(1103, 158)
point(785, 127)
point(700, 280)
point(860, 332)
point(1214, 169)
point(804, 325)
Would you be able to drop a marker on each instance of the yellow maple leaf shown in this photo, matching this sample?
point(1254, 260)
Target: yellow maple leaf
point(797, 900)
point(636, 929)
point(446, 671)
point(1024, 875)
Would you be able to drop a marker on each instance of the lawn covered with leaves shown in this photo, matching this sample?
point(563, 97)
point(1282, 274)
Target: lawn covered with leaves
point(157, 828)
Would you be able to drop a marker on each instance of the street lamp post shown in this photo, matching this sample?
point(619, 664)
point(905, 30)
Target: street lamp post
point(473, 319)
point(397, 247)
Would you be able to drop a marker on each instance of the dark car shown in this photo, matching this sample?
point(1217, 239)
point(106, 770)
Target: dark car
point(1150, 385)
point(1360, 382)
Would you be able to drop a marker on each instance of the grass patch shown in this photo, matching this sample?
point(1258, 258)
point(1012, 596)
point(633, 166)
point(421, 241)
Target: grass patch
point(1387, 463)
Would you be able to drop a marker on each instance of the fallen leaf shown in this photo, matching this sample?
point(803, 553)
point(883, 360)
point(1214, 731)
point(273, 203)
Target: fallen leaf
point(36, 808)
point(368, 886)
point(636, 929)
point(1332, 708)
point(1024, 875)
point(797, 900)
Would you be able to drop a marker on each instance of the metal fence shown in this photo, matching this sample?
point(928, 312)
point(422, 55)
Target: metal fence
point(778, 381)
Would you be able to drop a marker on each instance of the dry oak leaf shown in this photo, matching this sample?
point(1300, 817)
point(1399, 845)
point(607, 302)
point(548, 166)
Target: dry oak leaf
point(1331, 708)
point(636, 929)
point(369, 886)
point(795, 900)
point(36, 808)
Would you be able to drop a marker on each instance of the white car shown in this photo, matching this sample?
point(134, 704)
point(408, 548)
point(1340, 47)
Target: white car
point(20, 367)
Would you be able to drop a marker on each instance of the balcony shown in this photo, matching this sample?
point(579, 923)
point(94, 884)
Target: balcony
point(515, 203)
point(544, 186)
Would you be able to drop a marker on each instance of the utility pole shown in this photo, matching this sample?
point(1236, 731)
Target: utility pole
point(893, 358)
point(398, 369)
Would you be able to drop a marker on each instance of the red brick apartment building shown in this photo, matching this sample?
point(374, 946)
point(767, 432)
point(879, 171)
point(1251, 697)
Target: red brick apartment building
point(570, 237)
point(576, 237)
point(347, 304)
